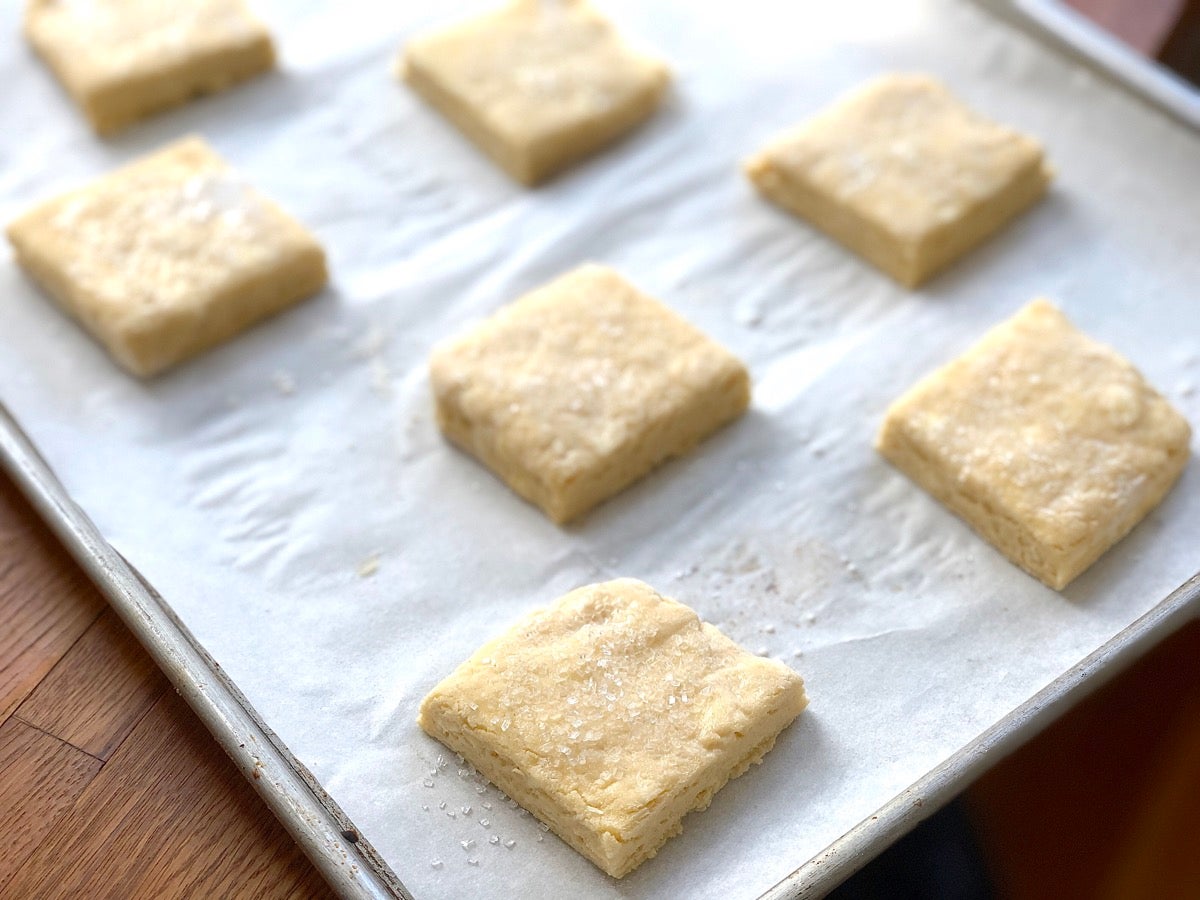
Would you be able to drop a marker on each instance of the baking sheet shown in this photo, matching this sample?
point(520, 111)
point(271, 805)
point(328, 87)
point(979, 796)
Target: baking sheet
point(257, 486)
point(1074, 33)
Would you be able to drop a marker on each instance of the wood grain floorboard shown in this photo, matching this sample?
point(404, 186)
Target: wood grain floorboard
point(44, 605)
point(168, 816)
point(98, 691)
point(42, 778)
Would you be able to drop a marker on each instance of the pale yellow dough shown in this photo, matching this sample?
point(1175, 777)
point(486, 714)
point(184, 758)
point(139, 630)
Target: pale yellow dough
point(903, 174)
point(611, 714)
point(581, 387)
point(168, 256)
point(1047, 443)
point(537, 84)
point(123, 60)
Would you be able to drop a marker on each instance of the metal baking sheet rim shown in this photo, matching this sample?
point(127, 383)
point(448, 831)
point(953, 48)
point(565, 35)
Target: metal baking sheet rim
point(1072, 33)
point(328, 837)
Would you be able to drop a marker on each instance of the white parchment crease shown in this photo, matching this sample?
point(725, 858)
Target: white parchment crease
point(251, 485)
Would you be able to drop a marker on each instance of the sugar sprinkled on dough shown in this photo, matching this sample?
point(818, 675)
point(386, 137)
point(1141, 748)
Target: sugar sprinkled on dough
point(168, 256)
point(122, 60)
point(611, 714)
point(581, 387)
point(536, 85)
point(1048, 443)
point(903, 173)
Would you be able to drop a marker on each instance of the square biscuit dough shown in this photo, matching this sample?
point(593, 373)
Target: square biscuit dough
point(123, 60)
point(168, 256)
point(581, 387)
point(903, 174)
point(536, 85)
point(611, 714)
point(1049, 444)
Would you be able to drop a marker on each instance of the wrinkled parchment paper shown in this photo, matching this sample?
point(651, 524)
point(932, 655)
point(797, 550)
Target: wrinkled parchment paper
point(290, 496)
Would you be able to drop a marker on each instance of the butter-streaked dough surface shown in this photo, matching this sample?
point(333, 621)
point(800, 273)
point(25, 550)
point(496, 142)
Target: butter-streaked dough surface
point(168, 256)
point(1049, 444)
point(581, 387)
point(123, 60)
point(611, 714)
point(536, 84)
point(902, 173)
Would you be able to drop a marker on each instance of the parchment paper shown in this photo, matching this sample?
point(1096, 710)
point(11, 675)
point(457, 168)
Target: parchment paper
point(257, 486)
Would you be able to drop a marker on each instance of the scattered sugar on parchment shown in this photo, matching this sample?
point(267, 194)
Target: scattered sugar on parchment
point(368, 566)
point(381, 377)
point(284, 382)
point(370, 343)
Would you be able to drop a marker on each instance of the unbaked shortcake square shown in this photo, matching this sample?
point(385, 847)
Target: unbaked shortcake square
point(612, 714)
point(581, 387)
point(1049, 444)
point(168, 256)
point(902, 173)
point(123, 60)
point(536, 85)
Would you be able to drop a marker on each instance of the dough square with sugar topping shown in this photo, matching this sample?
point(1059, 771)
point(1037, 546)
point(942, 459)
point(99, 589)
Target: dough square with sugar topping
point(903, 174)
point(1049, 444)
point(536, 85)
point(612, 714)
point(168, 256)
point(123, 60)
point(581, 387)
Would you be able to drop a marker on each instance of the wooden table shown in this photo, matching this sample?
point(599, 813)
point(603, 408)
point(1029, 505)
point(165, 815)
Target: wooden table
point(109, 785)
